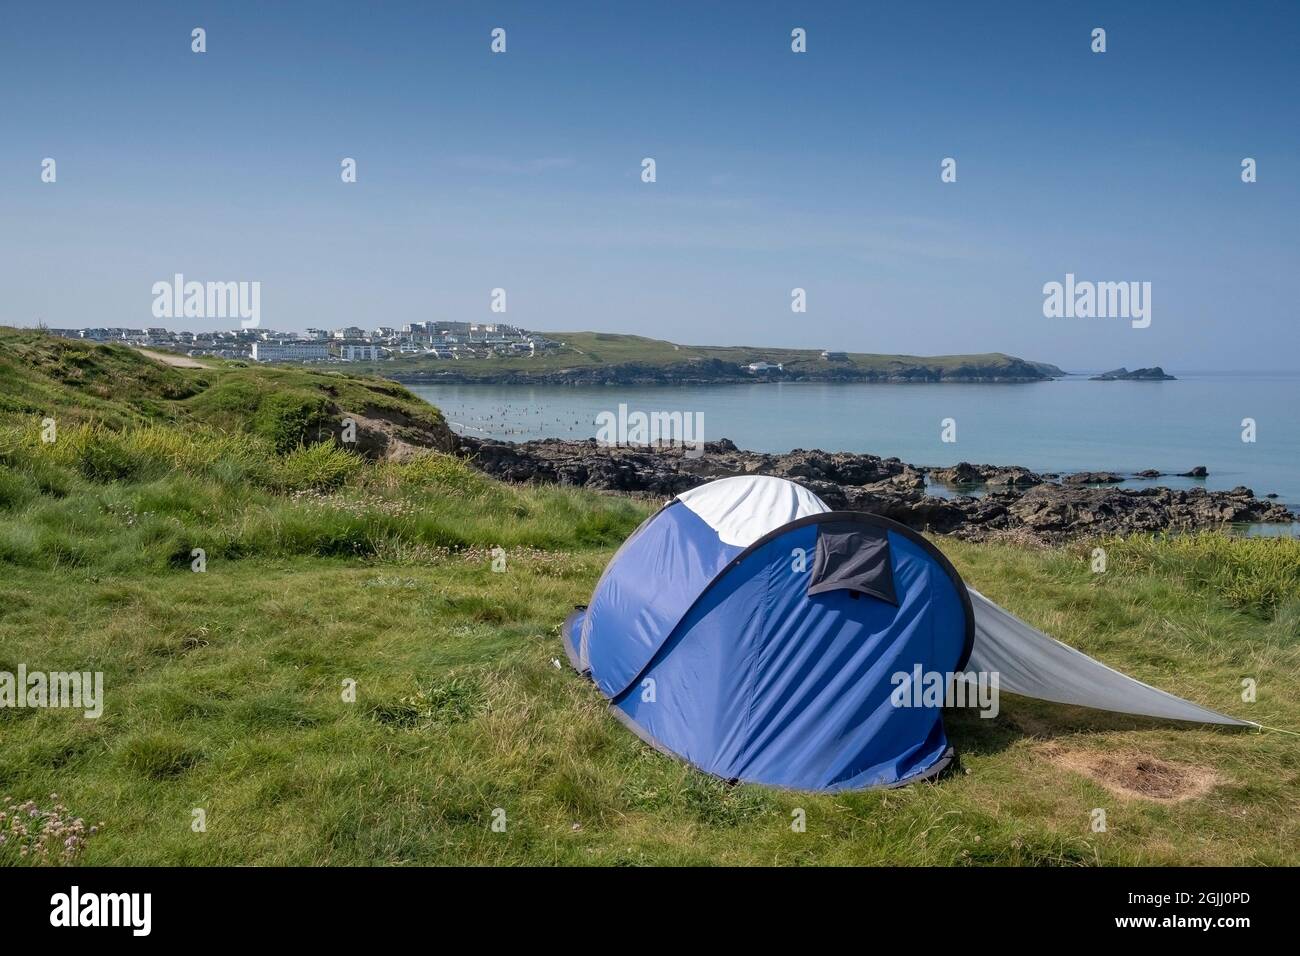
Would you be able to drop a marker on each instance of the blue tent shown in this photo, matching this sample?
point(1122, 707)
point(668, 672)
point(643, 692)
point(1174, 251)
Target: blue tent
point(758, 635)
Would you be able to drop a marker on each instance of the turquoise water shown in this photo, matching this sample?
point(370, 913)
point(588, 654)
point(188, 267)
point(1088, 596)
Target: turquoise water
point(1062, 426)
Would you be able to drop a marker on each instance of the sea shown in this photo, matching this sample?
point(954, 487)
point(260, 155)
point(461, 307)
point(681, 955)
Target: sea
point(1066, 425)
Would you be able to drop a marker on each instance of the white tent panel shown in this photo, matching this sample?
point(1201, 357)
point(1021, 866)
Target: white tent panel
point(744, 508)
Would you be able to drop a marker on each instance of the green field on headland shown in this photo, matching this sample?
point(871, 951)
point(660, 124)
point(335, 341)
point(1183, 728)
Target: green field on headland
point(596, 357)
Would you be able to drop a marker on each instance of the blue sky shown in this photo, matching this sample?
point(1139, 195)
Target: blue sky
point(775, 170)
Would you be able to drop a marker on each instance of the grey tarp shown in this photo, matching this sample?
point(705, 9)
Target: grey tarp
point(1030, 663)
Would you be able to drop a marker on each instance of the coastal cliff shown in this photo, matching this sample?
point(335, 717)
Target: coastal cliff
point(602, 358)
point(720, 372)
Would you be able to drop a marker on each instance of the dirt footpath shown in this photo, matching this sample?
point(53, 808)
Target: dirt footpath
point(180, 361)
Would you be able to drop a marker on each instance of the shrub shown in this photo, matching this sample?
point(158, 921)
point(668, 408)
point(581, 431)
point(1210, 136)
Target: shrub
point(434, 471)
point(288, 420)
point(320, 467)
point(107, 457)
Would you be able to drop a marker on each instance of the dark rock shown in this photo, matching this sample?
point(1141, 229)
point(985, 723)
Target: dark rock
point(1093, 478)
point(1015, 477)
point(1054, 512)
point(1148, 473)
point(1153, 374)
point(964, 473)
point(1198, 472)
point(1041, 511)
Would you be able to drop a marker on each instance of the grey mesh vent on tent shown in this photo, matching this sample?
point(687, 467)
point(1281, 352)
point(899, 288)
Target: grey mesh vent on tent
point(1031, 664)
point(852, 556)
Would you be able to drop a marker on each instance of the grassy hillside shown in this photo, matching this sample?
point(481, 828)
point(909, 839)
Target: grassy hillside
point(585, 350)
point(83, 382)
point(224, 688)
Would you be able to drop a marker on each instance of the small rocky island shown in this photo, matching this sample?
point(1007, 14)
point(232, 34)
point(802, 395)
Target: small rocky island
point(1015, 502)
point(1153, 374)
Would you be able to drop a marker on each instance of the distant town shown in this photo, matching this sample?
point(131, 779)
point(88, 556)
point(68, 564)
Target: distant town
point(438, 340)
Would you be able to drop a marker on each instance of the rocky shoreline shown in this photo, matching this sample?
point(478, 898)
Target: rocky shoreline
point(1016, 502)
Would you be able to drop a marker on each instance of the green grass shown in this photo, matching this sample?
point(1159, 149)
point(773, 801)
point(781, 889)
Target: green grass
point(225, 693)
point(225, 690)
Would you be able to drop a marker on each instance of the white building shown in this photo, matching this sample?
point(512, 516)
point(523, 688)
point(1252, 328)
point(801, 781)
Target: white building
point(290, 351)
point(360, 353)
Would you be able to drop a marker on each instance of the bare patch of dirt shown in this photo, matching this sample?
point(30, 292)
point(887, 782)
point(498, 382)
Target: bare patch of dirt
point(1031, 724)
point(379, 438)
point(1135, 775)
point(179, 361)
